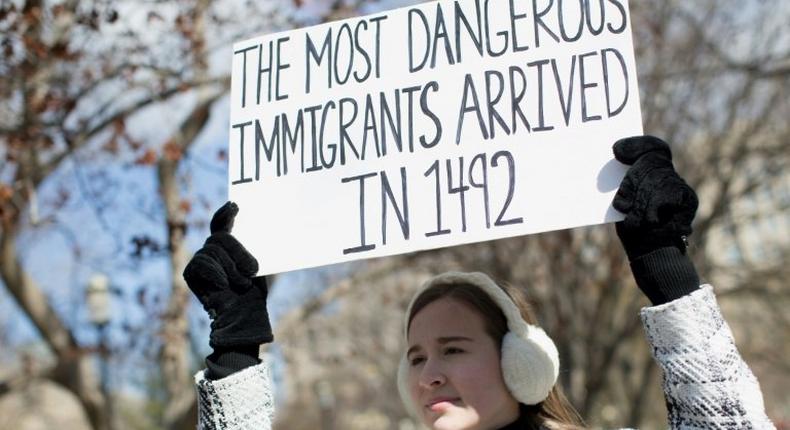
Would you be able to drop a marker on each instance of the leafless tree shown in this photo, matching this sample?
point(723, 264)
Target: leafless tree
point(56, 107)
point(76, 75)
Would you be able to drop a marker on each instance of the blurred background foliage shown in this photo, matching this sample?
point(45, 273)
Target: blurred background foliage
point(112, 157)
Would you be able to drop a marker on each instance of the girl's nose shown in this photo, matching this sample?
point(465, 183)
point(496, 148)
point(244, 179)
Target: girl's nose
point(432, 375)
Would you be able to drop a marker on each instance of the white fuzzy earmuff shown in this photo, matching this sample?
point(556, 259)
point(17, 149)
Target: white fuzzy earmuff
point(530, 362)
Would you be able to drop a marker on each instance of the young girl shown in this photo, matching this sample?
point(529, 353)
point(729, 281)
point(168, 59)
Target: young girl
point(475, 357)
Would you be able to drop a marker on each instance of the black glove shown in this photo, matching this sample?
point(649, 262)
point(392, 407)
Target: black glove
point(659, 207)
point(221, 276)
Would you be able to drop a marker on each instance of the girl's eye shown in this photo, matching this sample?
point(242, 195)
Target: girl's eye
point(453, 350)
point(416, 360)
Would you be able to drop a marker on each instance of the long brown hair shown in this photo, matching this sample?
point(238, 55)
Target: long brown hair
point(555, 412)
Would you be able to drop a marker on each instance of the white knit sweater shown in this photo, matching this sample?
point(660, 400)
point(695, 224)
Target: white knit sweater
point(706, 383)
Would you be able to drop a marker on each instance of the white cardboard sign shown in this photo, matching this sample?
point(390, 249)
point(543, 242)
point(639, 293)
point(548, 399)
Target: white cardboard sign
point(445, 123)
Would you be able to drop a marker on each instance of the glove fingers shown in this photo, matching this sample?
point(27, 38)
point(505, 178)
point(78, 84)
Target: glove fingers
point(244, 262)
point(223, 218)
point(653, 165)
point(633, 220)
point(624, 198)
point(235, 279)
point(204, 274)
point(672, 201)
point(640, 179)
point(661, 207)
point(630, 149)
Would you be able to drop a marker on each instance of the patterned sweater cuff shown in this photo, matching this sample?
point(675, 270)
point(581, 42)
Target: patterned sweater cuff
point(243, 400)
point(706, 382)
point(667, 324)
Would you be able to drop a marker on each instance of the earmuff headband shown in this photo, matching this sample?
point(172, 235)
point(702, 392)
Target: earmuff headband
point(530, 361)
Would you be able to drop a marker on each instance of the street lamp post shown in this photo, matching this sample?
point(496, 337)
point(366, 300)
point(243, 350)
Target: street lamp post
point(98, 300)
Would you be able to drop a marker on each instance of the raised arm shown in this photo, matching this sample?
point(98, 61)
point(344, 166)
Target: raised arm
point(707, 385)
point(235, 391)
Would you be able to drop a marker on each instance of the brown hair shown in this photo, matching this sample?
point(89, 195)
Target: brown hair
point(555, 412)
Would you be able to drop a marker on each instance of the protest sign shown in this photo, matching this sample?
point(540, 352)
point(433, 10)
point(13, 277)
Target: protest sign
point(445, 123)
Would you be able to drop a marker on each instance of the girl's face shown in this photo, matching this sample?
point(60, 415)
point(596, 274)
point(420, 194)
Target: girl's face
point(455, 379)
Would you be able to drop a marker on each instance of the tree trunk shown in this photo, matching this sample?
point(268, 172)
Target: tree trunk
point(73, 369)
point(174, 353)
point(181, 410)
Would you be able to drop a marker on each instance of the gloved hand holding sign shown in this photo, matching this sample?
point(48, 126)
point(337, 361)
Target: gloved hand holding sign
point(221, 275)
point(659, 207)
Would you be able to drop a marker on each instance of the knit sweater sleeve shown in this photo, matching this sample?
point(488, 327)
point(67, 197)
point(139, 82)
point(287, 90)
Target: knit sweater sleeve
point(241, 401)
point(707, 384)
